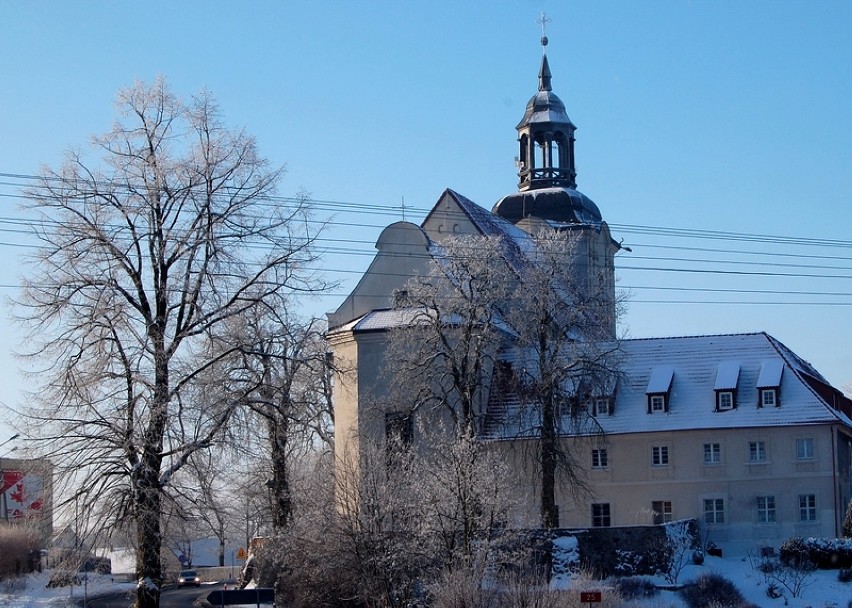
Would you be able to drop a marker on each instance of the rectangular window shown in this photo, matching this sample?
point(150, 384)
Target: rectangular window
point(399, 430)
point(768, 397)
point(660, 455)
point(662, 511)
point(599, 459)
point(658, 403)
point(600, 515)
point(725, 400)
point(756, 451)
point(807, 507)
point(714, 510)
point(805, 448)
point(600, 407)
point(712, 453)
point(766, 509)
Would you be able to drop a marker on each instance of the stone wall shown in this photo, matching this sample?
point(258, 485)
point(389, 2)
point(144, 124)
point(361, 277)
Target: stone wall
point(621, 550)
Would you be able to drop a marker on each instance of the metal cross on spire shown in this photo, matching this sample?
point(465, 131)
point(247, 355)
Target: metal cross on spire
point(543, 20)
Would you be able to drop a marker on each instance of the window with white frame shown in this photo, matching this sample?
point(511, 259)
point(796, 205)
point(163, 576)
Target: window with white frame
point(599, 459)
point(601, 515)
point(659, 386)
point(712, 453)
point(769, 397)
point(757, 451)
point(662, 511)
point(600, 406)
point(714, 510)
point(660, 455)
point(807, 507)
point(805, 448)
point(766, 509)
point(725, 400)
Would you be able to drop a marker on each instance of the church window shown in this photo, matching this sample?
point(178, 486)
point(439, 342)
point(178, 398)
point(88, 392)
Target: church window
point(399, 430)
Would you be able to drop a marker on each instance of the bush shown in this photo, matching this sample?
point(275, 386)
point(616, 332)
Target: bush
point(822, 553)
point(635, 588)
point(713, 590)
point(19, 550)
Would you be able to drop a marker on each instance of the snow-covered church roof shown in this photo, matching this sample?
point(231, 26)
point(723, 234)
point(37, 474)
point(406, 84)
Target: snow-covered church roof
point(694, 367)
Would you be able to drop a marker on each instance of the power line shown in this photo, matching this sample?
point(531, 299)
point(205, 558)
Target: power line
point(336, 246)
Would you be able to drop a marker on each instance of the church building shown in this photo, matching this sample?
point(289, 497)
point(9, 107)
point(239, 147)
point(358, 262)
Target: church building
point(735, 431)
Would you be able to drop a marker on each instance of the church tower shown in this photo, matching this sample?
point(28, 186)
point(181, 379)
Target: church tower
point(546, 138)
point(547, 195)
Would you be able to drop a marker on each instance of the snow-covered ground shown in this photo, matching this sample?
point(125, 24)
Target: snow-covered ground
point(32, 591)
point(822, 589)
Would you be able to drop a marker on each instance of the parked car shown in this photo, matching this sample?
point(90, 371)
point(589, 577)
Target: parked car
point(188, 577)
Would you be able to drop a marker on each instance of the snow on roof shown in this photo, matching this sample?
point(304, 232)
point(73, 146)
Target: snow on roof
point(727, 375)
point(660, 380)
point(385, 319)
point(519, 243)
point(380, 320)
point(695, 363)
point(770, 373)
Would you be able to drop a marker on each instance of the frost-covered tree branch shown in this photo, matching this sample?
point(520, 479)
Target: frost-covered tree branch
point(147, 250)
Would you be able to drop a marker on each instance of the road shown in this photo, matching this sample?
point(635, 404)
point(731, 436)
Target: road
point(171, 597)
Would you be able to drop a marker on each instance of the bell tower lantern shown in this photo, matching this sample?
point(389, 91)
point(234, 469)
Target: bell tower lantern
point(546, 138)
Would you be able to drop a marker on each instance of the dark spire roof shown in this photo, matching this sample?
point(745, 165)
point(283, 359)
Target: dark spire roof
point(544, 75)
point(547, 186)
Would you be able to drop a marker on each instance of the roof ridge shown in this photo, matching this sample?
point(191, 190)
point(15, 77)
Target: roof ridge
point(721, 335)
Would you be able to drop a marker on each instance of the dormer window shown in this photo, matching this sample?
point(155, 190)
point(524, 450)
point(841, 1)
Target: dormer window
point(727, 378)
point(659, 385)
point(601, 406)
point(769, 383)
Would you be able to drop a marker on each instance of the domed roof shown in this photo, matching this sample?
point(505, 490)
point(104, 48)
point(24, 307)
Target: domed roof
point(545, 106)
point(564, 205)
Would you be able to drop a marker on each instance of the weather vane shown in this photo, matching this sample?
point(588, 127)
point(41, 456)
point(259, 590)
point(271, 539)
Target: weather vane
point(543, 20)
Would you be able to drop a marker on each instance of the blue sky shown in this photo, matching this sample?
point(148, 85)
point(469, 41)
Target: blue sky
point(719, 116)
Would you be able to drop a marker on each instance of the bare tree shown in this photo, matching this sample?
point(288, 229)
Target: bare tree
point(203, 498)
point(463, 496)
point(567, 356)
point(442, 357)
point(140, 268)
point(552, 311)
point(284, 359)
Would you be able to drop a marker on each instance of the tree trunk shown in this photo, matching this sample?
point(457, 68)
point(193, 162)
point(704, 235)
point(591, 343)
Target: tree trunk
point(280, 476)
point(549, 510)
point(149, 573)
